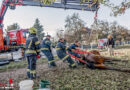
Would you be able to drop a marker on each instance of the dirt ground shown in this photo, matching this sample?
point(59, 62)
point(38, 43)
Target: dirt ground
point(81, 78)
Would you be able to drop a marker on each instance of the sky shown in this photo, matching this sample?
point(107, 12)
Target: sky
point(53, 19)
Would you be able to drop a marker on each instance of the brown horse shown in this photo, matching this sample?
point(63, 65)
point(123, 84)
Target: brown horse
point(96, 60)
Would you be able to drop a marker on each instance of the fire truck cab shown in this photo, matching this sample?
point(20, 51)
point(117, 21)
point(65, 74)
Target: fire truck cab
point(17, 37)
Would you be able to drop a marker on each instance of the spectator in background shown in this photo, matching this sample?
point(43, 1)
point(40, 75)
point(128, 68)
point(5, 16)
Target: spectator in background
point(110, 44)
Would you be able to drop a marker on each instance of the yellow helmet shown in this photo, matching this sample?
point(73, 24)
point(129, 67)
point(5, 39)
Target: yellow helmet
point(32, 30)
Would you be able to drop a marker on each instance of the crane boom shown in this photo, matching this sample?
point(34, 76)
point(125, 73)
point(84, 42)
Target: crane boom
point(67, 4)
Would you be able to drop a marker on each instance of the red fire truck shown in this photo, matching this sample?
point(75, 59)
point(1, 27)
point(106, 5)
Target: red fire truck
point(16, 37)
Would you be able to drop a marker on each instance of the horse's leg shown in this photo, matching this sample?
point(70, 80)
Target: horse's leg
point(118, 69)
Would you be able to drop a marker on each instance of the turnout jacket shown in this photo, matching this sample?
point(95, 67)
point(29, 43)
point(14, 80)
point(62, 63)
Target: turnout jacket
point(73, 46)
point(46, 45)
point(61, 47)
point(32, 45)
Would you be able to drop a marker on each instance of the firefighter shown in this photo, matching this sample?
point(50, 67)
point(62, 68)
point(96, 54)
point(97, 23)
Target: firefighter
point(46, 49)
point(32, 52)
point(75, 46)
point(61, 53)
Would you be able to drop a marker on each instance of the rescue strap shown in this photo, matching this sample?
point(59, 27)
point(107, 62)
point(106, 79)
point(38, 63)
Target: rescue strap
point(77, 58)
point(79, 51)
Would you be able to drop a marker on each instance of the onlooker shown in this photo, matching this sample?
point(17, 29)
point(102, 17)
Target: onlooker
point(110, 43)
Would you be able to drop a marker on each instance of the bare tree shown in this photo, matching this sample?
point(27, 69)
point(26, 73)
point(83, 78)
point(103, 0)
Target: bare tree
point(73, 28)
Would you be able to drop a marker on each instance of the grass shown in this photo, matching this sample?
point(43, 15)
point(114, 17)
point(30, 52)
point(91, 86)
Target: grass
point(84, 78)
point(81, 78)
point(123, 46)
point(21, 64)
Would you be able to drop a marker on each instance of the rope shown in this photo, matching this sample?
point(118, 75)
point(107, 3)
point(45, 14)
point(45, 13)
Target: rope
point(81, 52)
point(77, 58)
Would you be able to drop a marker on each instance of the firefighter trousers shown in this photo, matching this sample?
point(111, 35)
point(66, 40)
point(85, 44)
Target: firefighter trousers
point(31, 71)
point(63, 56)
point(50, 57)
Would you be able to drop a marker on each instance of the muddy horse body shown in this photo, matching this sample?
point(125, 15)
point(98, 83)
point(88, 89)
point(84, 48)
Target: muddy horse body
point(96, 60)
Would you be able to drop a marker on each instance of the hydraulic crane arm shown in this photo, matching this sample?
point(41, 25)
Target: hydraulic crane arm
point(3, 10)
point(65, 4)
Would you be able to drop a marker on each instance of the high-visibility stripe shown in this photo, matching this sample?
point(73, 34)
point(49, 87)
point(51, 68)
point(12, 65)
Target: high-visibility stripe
point(30, 44)
point(73, 64)
point(52, 61)
point(47, 41)
point(31, 71)
point(44, 49)
point(65, 57)
point(36, 43)
point(38, 50)
point(30, 51)
point(58, 48)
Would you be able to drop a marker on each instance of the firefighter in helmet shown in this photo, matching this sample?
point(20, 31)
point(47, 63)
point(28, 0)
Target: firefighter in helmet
point(32, 52)
point(75, 46)
point(61, 53)
point(46, 49)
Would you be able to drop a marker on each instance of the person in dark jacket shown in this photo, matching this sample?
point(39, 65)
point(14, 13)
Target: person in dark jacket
point(32, 52)
point(46, 49)
point(110, 44)
point(75, 46)
point(61, 53)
